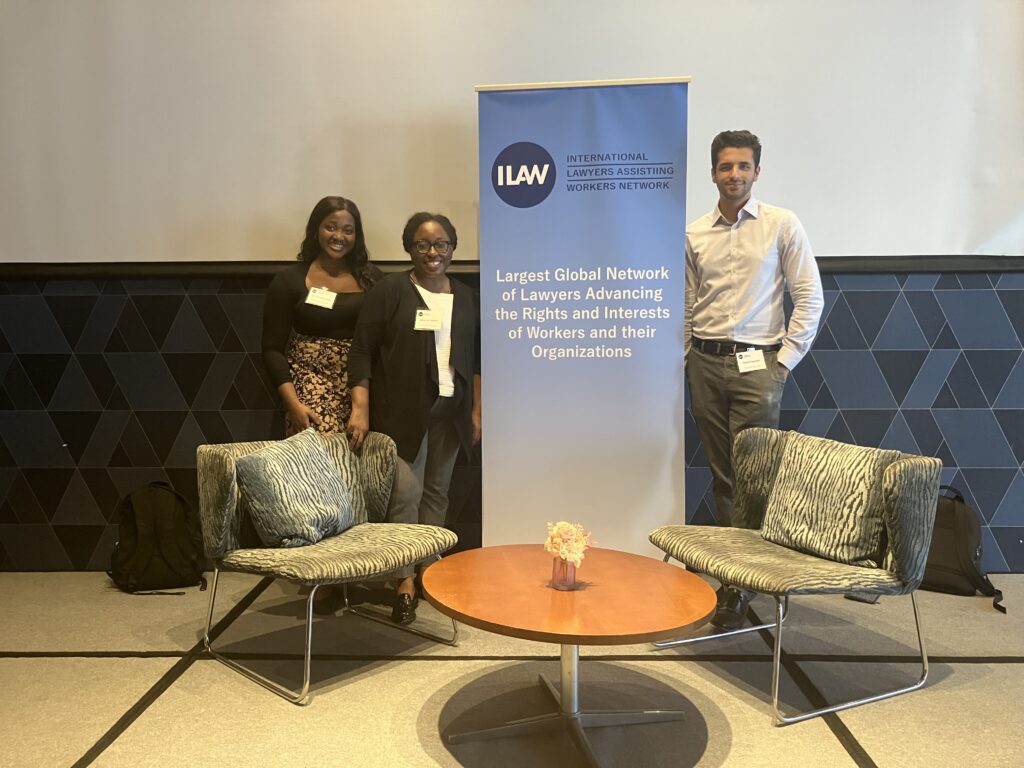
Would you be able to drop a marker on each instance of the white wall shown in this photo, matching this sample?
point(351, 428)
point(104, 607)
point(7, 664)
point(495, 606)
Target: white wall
point(148, 130)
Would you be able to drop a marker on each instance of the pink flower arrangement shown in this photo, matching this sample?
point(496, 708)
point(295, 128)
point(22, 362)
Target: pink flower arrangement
point(568, 541)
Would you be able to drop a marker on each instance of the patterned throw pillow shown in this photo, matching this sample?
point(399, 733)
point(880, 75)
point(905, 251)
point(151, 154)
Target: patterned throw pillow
point(827, 500)
point(294, 492)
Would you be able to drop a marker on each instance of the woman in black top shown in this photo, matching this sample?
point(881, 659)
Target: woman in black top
point(310, 314)
point(415, 375)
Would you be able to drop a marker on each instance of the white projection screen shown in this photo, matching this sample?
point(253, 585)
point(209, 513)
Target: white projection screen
point(205, 130)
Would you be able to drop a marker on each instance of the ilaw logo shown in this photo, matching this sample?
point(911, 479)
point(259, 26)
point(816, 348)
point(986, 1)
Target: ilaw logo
point(523, 174)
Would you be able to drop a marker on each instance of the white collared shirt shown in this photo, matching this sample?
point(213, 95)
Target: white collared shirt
point(736, 275)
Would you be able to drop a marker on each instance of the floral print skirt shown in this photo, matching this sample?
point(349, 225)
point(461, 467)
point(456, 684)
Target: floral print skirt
point(319, 369)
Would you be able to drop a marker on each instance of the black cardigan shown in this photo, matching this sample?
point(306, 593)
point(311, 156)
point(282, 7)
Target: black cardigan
point(401, 363)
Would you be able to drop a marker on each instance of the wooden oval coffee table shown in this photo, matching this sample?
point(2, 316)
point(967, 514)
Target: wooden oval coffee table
point(623, 598)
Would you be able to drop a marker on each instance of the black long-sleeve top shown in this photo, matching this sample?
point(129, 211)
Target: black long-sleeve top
point(401, 363)
point(285, 310)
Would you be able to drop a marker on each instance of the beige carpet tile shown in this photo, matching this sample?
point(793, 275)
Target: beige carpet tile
point(53, 710)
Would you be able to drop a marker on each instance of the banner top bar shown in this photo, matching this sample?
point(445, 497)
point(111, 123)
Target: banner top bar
point(582, 84)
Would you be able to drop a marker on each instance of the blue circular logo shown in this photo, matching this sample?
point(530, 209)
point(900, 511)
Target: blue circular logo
point(523, 174)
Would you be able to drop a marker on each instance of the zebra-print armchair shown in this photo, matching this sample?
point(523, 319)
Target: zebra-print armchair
point(816, 517)
point(364, 552)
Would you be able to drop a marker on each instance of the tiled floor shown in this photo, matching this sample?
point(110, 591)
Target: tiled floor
point(89, 675)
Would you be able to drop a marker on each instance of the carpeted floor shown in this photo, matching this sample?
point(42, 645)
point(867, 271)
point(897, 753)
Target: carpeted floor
point(91, 676)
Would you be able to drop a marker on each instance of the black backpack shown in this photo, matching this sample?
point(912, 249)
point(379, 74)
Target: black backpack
point(159, 545)
point(954, 560)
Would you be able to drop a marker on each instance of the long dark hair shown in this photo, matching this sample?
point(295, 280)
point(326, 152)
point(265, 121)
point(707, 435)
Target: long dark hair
point(358, 259)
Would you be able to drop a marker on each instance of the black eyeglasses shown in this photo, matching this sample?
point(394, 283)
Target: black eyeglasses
point(441, 246)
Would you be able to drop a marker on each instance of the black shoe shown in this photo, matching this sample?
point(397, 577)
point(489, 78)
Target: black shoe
point(404, 611)
point(732, 609)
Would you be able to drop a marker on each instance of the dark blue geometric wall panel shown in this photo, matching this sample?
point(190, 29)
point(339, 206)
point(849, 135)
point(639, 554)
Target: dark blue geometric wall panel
point(106, 384)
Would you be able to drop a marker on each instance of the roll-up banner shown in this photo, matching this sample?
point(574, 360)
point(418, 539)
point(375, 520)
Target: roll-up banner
point(582, 243)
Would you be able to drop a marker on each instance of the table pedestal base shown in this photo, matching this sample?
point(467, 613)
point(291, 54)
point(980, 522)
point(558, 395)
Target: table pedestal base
point(569, 717)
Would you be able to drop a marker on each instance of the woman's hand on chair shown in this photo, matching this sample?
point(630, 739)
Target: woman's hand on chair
point(302, 415)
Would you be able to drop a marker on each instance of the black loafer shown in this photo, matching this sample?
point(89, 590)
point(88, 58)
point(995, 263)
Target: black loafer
point(732, 610)
point(404, 611)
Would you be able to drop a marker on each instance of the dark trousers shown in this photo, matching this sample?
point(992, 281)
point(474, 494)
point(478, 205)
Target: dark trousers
point(723, 402)
point(420, 491)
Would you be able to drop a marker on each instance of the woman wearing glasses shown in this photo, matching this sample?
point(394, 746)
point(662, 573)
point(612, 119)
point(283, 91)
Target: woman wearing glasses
point(415, 375)
point(309, 317)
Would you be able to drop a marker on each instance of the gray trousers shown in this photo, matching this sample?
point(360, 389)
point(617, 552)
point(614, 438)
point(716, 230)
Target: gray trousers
point(723, 402)
point(420, 491)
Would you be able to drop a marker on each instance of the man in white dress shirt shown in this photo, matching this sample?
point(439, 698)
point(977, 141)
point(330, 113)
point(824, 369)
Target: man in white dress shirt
point(740, 259)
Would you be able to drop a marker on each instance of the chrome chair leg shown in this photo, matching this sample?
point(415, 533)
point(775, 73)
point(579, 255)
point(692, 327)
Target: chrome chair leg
point(386, 620)
point(719, 635)
point(781, 719)
point(300, 696)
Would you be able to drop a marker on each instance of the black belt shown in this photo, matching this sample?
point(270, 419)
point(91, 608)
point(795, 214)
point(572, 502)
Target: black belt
point(731, 347)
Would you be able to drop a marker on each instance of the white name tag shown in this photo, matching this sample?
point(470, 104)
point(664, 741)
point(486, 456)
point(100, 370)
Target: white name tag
point(427, 320)
point(751, 360)
point(321, 297)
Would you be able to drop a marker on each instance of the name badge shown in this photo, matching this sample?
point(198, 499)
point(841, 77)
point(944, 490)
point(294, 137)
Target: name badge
point(751, 360)
point(321, 297)
point(427, 320)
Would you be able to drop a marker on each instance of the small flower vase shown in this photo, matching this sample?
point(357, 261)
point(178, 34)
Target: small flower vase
point(563, 574)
